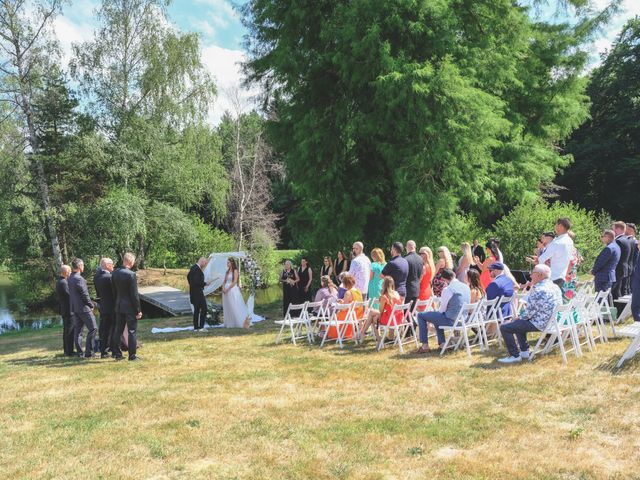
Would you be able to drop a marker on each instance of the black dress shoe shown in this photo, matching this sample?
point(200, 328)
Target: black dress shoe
point(134, 359)
point(104, 355)
point(117, 359)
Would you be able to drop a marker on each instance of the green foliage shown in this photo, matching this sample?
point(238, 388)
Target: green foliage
point(519, 230)
point(606, 171)
point(393, 117)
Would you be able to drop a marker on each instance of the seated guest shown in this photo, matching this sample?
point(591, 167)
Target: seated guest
point(604, 268)
point(341, 289)
point(500, 286)
point(328, 293)
point(351, 294)
point(388, 299)
point(454, 296)
point(545, 296)
point(397, 268)
point(473, 280)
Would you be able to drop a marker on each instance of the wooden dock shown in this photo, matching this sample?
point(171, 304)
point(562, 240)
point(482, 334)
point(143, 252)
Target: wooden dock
point(171, 300)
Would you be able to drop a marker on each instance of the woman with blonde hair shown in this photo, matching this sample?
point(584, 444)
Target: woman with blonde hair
point(466, 262)
point(375, 278)
point(428, 271)
point(444, 261)
point(352, 294)
point(388, 299)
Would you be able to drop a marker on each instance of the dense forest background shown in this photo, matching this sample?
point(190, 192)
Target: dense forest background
point(394, 119)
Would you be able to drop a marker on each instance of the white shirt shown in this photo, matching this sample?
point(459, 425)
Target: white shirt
point(361, 271)
point(559, 251)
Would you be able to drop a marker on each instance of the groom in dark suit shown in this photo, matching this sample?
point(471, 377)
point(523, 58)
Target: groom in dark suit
point(604, 268)
point(195, 277)
point(106, 304)
point(622, 270)
point(128, 311)
point(81, 309)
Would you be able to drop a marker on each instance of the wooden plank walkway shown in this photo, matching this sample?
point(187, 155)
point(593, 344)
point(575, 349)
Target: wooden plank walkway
point(169, 299)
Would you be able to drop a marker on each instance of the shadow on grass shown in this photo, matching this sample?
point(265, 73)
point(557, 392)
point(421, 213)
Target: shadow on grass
point(610, 365)
point(57, 361)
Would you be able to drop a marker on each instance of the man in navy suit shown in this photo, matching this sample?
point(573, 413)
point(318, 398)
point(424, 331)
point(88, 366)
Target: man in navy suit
point(501, 286)
point(81, 309)
point(633, 256)
point(622, 270)
point(604, 268)
point(635, 291)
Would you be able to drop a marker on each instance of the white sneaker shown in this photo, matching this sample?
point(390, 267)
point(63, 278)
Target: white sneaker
point(525, 355)
point(510, 359)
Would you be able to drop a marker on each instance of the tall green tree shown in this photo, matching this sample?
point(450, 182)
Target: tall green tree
point(396, 116)
point(606, 170)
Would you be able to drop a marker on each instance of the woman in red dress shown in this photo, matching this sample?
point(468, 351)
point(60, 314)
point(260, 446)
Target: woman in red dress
point(428, 270)
point(492, 257)
point(388, 299)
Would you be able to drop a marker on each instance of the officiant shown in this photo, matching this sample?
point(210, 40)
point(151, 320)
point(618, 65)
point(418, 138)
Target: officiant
point(289, 280)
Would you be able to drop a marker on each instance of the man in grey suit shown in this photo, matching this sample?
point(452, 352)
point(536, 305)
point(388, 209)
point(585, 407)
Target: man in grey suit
point(128, 311)
point(62, 291)
point(81, 309)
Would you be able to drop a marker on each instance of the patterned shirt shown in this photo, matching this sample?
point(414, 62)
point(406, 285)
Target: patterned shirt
point(361, 271)
point(544, 298)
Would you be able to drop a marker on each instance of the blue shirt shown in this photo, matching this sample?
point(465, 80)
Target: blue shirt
point(502, 286)
point(398, 269)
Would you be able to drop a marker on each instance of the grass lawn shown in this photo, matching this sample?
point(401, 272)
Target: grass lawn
point(231, 404)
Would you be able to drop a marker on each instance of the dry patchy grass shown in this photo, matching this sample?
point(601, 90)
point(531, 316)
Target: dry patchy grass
point(233, 405)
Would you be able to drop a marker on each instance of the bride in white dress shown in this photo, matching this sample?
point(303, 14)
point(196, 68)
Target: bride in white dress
point(234, 310)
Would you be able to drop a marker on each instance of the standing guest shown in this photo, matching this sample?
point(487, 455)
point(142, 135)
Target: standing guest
point(289, 279)
point(604, 267)
point(635, 291)
point(305, 277)
point(478, 251)
point(328, 292)
point(428, 270)
point(466, 262)
point(106, 305)
point(444, 262)
point(375, 281)
point(622, 269)
point(62, 291)
point(360, 268)
point(398, 269)
point(327, 268)
point(195, 277)
point(559, 251)
point(473, 281)
point(341, 265)
point(570, 285)
point(500, 286)
point(543, 299)
point(541, 245)
point(633, 255)
point(128, 311)
point(414, 275)
point(455, 295)
point(382, 316)
point(496, 242)
point(491, 258)
point(81, 309)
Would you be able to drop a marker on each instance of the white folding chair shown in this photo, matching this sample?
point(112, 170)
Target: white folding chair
point(503, 301)
point(400, 323)
point(314, 313)
point(581, 323)
point(558, 329)
point(467, 318)
point(339, 310)
point(632, 331)
point(422, 306)
point(295, 319)
point(488, 315)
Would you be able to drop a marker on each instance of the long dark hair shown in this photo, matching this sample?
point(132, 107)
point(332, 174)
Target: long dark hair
point(493, 248)
point(474, 280)
point(233, 267)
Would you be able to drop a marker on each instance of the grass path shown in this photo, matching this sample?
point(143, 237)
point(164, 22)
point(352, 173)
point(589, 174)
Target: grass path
point(228, 404)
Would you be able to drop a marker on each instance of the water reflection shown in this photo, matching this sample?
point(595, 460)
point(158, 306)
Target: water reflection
point(9, 321)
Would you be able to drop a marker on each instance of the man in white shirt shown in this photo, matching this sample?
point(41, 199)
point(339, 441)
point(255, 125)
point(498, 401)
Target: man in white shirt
point(559, 252)
point(360, 269)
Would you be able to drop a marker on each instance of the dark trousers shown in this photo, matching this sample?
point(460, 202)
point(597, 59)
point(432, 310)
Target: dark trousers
point(626, 285)
point(131, 322)
point(412, 301)
point(199, 312)
point(635, 300)
point(616, 290)
point(80, 320)
point(602, 286)
point(107, 326)
point(437, 319)
point(519, 328)
point(67, 335)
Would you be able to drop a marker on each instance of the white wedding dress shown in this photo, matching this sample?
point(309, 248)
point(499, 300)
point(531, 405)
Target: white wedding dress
point(234, 310)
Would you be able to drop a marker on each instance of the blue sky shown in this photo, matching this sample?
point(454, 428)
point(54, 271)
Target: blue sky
point(218, 23)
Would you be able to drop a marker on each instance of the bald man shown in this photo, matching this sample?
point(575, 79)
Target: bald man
point(195, 277)
point(62, 292)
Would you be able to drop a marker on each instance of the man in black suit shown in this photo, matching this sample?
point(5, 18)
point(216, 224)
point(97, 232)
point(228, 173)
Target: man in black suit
point(622, 269)
point(633, 255)
point(478, 251)
point(195, 277)
point(106, 305)
point(128, 311)
point(62, 292)
point(414, 276)
point(81, 309)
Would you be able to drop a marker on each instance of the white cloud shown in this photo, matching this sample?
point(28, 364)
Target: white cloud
point(628, 10)
point(69, 33)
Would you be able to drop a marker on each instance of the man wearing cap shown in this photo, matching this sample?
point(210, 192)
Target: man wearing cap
point(633, 254)
point(501, 286)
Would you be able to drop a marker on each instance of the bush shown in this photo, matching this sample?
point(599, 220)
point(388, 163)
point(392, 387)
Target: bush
point(519, 230)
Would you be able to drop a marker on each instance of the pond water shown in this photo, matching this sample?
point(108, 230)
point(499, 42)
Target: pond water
point(11, 320)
